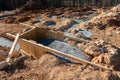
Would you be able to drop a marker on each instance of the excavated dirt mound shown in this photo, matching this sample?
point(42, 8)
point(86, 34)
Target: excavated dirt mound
point(3, 53)
point(105, 27)
point(11, 19)
point(12, 28)
point(48, 67)
point(108, 60)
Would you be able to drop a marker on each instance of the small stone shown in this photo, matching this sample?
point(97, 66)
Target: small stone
point(109, 60)
point(79, 45)
point(100, 42)
point(72, 43)
point(79, 35)
point(16, 71)
point(74, 31)
point(64, 24)
point(93, 50)
point(111, 49)
point(117, 30)
point(66, 39)
point(118, 17)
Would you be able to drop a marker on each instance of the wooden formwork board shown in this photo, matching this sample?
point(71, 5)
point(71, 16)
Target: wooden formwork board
point(34, 35)
point(49, 34)
point(38, 33)
point(31, 49)
point(30, 34)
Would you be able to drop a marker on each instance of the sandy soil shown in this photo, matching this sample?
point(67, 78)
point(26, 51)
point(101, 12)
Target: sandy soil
point(104, 47)
point(49, 67)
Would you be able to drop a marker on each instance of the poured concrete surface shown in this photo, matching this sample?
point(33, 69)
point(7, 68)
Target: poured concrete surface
point(64, 47)
point(7, 43)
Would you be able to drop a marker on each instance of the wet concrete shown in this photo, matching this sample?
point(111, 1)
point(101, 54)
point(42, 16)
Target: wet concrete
point(86, 33)
point(78, 21)
point(7, 43)
point(64, 47)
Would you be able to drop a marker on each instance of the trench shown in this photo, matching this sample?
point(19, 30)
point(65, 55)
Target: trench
point(87, 33)
point(54, 44)
point(64, 47)
point(78, 21)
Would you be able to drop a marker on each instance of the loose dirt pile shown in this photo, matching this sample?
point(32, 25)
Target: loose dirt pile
point(49, 67)
point(12, 28)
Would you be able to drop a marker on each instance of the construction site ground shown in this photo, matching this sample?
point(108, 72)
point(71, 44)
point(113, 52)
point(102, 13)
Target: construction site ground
point(103, 46)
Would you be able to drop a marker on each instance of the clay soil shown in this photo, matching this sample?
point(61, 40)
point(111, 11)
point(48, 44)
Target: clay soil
point(103, 46)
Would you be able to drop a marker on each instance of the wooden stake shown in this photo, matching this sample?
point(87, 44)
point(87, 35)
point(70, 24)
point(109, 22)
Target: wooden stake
point(12, 48)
